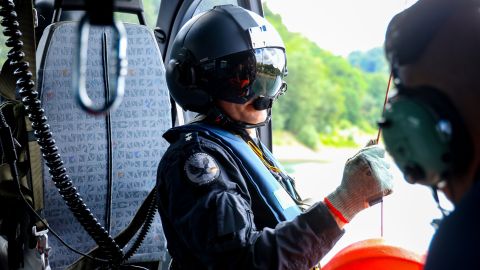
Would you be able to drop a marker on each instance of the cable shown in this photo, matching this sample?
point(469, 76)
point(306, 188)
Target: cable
point(378, 140)
point(10, 155)
point(42, 131)
point(145, 228)
point(127, 256)
point(108, 246)
point(385, 104)
point(133, 267)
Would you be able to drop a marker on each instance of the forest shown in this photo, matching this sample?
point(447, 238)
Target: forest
point(330, 99)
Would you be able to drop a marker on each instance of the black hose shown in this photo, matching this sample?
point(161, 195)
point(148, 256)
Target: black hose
point(152, 209)
point(36, 114)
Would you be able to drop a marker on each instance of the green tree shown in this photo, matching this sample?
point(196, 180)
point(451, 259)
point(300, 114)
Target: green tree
point(325, 92)
point(370, 61)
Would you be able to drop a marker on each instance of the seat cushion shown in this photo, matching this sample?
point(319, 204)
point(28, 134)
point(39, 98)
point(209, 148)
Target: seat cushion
point(136, 129)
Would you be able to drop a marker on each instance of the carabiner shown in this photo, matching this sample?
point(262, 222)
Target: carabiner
point(116, 89)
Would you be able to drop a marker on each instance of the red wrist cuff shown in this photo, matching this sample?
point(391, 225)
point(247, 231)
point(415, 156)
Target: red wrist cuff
point(334, 210)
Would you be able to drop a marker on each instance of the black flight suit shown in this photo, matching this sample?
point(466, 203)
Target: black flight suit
point(216, 220)
point(456, 243)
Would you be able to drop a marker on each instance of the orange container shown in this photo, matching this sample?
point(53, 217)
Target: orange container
point(375, 254)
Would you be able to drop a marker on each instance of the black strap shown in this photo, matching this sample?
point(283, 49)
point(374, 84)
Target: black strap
point(127, 6)
point(100, 12)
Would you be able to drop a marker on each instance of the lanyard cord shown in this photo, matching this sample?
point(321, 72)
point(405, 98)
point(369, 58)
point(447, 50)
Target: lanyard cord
point(258, 151)
point(284, 180)
point(262, 157)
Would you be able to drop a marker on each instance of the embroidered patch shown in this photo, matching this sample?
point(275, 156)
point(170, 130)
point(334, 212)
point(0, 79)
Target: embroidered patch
point(201, 168)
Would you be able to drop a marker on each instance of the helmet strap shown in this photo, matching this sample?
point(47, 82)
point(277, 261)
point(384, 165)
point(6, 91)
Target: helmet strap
point(444, 211)
point(437, 221)
point(219, 117)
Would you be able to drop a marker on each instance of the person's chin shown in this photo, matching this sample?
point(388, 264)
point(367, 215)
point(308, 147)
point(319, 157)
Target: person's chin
point(258, 120)
point(254, 116)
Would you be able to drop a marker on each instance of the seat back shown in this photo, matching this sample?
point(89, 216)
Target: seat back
point(124, 146)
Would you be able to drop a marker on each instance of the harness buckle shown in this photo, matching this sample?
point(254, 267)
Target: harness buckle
point(42, 246)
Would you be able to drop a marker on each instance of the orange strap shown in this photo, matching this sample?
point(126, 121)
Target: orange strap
point(334, 210)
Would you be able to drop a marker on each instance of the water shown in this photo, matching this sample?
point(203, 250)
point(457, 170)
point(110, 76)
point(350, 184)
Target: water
point(407, 213)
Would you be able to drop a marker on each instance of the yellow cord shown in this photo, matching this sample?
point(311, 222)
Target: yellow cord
point(260, 155)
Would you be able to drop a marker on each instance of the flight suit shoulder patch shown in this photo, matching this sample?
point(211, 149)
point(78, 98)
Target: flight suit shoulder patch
point(201, 168)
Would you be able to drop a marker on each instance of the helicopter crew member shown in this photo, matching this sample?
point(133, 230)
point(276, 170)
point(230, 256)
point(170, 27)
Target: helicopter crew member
point(432, 125)
point(224, 201)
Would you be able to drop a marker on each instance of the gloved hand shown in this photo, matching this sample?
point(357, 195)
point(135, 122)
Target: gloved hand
point(366, 179)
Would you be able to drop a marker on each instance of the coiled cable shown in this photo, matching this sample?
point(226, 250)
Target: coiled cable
point(152, 209)
point(36, 114)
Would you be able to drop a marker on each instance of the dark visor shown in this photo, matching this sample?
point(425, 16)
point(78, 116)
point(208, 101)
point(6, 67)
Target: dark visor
point(241, 76)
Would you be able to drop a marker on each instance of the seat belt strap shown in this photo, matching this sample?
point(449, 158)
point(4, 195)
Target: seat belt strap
point(35, 159)
point(28, 22)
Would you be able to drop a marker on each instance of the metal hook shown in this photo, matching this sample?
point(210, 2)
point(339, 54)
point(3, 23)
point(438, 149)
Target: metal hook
point(117, 88)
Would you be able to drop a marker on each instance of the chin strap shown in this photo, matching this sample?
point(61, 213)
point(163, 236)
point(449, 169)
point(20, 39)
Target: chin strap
point(437, 221)
point(444, 211)
point(217, 116)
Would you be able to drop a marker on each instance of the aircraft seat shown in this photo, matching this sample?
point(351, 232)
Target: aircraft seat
point(123, 147)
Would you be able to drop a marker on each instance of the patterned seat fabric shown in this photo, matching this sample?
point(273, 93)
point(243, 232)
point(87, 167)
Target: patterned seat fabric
point(136, 142)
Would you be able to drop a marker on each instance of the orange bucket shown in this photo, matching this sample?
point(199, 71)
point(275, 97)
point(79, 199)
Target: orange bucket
point(375, 254)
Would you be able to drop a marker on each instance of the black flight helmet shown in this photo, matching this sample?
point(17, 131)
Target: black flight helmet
point(226, 53)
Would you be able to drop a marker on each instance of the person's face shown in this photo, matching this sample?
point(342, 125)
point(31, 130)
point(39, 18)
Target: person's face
point(243, 112)
point(452, 68)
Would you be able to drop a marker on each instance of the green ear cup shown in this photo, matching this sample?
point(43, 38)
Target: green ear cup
point(418, 140)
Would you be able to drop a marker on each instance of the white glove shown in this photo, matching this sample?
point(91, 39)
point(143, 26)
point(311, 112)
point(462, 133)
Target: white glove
point(366, 179)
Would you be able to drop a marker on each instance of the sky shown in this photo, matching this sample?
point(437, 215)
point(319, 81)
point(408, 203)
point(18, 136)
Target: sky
point(339, 26)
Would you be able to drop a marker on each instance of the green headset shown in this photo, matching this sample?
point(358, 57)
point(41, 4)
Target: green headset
point(422, 130)
point(425, 135)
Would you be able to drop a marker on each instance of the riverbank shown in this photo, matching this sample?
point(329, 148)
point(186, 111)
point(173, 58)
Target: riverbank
point(300, 153)
point(286, 148)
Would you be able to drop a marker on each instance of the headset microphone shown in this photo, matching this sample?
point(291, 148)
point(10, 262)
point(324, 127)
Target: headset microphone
point(263, 103)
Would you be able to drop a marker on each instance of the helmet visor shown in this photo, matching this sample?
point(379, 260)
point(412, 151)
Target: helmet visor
point(270, 67)
point(241, 76)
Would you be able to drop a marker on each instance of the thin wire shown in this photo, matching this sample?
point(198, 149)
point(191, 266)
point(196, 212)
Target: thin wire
point(381, 218)
point(51, 230)
point(384, 104)
point(55, 234)
point(133, 267)
point(378, 140)
point(14, 172)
